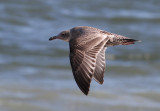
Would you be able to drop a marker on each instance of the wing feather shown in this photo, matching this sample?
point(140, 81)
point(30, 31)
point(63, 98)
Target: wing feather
point(100, 66)
point(83, 61)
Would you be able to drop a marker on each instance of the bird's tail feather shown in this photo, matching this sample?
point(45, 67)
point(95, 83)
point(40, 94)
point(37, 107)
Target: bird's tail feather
point(129, 41)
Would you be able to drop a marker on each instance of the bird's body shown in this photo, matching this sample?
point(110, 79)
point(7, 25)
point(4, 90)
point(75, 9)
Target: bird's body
point(87, 52)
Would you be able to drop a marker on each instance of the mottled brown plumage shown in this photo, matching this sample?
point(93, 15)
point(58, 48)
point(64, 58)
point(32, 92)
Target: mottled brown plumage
point(87, 52)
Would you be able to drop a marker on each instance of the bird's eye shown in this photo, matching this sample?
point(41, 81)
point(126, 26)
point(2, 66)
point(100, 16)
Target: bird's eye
point(63, 34)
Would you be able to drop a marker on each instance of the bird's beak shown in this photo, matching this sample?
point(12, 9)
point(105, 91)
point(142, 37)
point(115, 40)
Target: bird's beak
point(52, 38)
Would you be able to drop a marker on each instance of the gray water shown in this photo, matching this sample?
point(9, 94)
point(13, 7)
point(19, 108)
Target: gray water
point(35, 74)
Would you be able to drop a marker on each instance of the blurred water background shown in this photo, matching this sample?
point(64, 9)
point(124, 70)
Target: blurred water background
point(35, 74)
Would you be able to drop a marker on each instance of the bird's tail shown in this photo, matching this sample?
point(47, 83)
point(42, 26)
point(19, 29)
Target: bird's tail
point(128, 41)
point(120, 40)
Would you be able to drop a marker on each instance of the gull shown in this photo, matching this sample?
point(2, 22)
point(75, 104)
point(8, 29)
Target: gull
point(87, 52)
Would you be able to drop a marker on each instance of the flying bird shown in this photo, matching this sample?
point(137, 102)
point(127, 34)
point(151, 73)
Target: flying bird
point(87, 52)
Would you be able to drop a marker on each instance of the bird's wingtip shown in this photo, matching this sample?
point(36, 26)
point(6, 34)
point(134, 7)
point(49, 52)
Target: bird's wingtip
point(85, 92)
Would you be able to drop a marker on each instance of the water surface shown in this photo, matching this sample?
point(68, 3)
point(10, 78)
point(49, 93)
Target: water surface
point(35, 74)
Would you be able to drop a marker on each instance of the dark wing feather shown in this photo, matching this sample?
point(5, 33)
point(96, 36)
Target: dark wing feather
point(83, 68)
point(83, 61)
point(100, 66)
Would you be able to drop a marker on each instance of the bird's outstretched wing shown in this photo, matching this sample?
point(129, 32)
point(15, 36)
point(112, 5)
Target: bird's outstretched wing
point(100, 66)
point(83, 55)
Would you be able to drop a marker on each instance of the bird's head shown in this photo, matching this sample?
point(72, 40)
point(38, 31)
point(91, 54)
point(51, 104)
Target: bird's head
point(64, 35)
